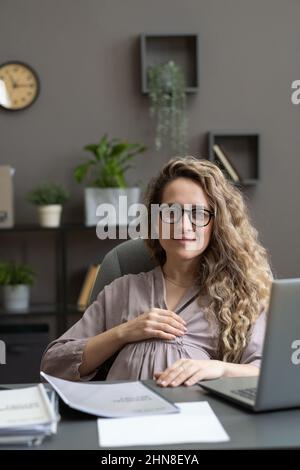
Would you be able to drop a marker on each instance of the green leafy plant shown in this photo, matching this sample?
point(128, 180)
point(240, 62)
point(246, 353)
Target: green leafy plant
point(109, 163)
point(13, 274)
point(48, 194)
point(166, 84)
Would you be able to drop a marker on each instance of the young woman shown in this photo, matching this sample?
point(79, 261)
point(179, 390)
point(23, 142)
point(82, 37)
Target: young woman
point(200, 313)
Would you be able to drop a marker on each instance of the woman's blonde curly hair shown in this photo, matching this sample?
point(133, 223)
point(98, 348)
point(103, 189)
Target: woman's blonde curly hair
point(234, 272)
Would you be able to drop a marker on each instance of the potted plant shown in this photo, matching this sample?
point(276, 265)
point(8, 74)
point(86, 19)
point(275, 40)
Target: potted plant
point(105, 175)
point(167, 93)
point(16, 280)
point(49, 198)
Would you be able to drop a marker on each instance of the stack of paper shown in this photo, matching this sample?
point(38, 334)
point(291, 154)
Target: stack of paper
point(27, 415)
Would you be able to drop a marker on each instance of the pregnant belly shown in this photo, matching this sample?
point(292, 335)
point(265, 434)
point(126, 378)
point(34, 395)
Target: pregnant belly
point(139, 361)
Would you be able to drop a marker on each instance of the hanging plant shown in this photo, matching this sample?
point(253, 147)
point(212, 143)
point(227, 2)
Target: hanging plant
point(167, 95)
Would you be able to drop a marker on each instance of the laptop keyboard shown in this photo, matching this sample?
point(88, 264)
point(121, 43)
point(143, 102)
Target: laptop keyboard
point(249, 393)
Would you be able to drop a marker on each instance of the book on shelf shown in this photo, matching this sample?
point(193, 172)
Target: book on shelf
point(87, 287)
point(223, 158)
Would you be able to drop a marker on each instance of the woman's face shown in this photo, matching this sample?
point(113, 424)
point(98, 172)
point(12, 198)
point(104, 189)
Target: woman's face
point(186, 240)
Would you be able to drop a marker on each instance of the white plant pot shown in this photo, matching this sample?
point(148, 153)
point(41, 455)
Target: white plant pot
point(49, 216)
point(16, 298)
point(94, 197)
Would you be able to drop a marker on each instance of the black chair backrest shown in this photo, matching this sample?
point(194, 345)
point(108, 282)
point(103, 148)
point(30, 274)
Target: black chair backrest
point(130, 257)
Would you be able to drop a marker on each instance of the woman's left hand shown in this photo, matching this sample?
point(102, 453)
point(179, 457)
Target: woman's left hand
point(189, 372)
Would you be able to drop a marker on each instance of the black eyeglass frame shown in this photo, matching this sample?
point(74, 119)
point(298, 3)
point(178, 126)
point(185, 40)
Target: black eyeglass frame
point(183, 210)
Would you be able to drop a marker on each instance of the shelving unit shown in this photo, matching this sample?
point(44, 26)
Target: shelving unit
point(242, 149)
point(59, 307)
point(25, 344)
point(62, 305)
point(183, 49)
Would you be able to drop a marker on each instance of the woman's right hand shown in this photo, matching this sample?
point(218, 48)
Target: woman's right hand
point(155, 323)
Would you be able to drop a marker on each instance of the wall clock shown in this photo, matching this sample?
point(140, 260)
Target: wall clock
point(19, 85)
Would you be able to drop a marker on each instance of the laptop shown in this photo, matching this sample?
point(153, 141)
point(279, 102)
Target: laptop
point(278, 384)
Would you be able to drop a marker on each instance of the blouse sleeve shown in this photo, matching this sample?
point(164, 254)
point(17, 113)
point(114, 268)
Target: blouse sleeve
point(63, 357)
point(253, 351)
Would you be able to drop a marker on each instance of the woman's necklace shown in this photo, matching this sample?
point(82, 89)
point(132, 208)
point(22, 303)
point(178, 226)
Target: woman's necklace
point(175, 283)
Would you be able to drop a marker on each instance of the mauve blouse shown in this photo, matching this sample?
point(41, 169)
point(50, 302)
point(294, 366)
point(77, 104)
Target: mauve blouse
point(124, 299)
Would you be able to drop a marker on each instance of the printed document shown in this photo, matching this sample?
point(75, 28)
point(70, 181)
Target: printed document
point(111, 400)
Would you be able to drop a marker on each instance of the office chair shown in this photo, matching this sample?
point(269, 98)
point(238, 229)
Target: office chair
point(130, 257)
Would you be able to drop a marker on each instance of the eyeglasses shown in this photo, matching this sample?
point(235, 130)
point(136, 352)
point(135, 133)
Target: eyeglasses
point(172, 213)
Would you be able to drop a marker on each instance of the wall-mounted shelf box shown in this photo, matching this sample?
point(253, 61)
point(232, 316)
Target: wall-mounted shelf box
point(242, 149)
point(183, 49)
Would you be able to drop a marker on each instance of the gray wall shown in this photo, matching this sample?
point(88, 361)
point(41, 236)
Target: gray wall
point(86, 54)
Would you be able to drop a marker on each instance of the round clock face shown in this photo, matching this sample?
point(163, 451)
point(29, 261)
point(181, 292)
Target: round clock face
point(19, 86)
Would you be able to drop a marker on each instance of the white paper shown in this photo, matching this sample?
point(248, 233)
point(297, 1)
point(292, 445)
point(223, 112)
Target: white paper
point(112, 400)
point(196, 422)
